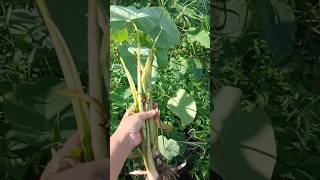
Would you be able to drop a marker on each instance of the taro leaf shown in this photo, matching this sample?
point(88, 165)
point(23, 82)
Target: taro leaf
point(33, 108)
point(168, 148)
point(169, 36)
point(154, 73)
point(201, 37)
point(276, 23)
point(128, 51)
point(162, 57)
point(129, 60)
point(180, 137)
point(231, 17)
point(72, 23)
point(124, 17)
point(195, 66)
point(150, 20)
point(120, 35)
point(143, 51)
point(183, 106)
point(144, 55)
point(120, 95)
point(243, 143)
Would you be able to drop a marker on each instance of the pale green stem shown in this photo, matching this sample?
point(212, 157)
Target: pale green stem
point(97, 122)
point(72, 80)
point(146, 144)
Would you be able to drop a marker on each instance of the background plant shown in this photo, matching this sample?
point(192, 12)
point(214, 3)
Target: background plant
point(268, 49)
point(36, 120)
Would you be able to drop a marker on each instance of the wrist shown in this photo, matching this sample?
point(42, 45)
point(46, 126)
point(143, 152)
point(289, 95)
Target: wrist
point(122, 139)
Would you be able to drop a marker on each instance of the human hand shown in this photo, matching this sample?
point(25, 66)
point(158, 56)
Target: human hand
point(126, 138)
point(73, 169)
point(129, 128)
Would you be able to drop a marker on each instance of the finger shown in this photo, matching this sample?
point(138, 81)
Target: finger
point(72, 143)
point(141, 116)
point(155, 105)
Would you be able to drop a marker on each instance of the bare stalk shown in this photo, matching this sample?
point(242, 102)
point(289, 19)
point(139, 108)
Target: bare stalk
point(146, 141)
point(97, 122)
point(72, 80)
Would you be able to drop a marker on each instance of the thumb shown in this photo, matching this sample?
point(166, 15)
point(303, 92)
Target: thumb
point(141, 116)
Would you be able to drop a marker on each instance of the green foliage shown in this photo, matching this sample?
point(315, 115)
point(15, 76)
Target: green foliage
point(41, 103)
point(268, 50)
point(35, 120)
point(178, 68)
point(244, 144)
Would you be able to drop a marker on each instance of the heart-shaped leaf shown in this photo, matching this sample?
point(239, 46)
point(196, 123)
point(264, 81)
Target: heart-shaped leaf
point(150, 20)
point(168, 148)
point(243, 143)
point(183, 106)
point(169, 35)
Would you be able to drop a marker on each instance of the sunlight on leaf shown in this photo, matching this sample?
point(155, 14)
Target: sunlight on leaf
point(169, 148)
point(183, 106)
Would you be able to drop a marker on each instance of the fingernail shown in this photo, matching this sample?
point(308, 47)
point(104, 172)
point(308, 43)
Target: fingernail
point(152, 112)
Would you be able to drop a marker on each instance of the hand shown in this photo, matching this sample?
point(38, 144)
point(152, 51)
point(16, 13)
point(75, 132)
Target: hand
point(126, 138)
point(130, 126)
point(73, 169)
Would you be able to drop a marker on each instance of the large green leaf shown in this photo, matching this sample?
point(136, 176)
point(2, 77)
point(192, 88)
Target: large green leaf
point(120, 95)
point(150, 20)
point(169, 148)
point(183, 106)
point(243, 143)
point(129, 59)
point(122, 19)
point(169, 35)
point(120, 35)
point(162, 57)
point(128, 53)
point(38, 106)
point(72, 23)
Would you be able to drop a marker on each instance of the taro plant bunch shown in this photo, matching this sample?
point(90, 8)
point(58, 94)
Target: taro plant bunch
point(143, 38)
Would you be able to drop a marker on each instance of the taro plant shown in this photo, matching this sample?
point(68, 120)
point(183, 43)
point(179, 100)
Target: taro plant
point(143, 38)
point(88, 109)
point(44, 113)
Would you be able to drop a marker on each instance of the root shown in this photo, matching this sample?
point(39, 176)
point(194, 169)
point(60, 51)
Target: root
point(166, 172)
